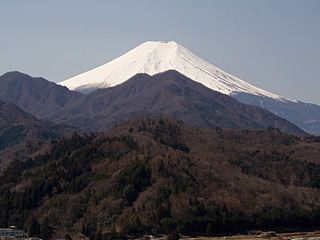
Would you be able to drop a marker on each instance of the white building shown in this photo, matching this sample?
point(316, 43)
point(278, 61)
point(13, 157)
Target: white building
point(11, 231)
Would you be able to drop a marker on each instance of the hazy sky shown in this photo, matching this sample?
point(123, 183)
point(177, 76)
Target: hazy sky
point(272, 44)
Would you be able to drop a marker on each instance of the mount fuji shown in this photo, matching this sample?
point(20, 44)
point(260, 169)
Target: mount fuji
point(156, 57)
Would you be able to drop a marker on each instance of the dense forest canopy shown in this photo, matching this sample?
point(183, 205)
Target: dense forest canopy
point(159, 176)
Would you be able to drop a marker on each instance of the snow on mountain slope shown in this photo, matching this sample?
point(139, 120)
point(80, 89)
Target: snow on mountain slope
point(157, 57)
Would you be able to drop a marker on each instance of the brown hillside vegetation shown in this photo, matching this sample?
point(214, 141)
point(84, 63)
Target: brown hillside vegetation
point(22, 134)
point(160, 176)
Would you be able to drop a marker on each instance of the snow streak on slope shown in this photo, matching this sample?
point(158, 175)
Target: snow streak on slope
point(157, 57)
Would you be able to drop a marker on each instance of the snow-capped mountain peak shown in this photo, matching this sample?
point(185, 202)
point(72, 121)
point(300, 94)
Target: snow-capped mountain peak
point(157, 57)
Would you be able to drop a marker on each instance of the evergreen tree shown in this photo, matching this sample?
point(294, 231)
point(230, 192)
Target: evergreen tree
point(209, 230)
point(33, 228)
point(173, 236)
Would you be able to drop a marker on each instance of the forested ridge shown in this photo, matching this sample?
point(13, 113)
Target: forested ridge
point(158, 176)
point(21, 134)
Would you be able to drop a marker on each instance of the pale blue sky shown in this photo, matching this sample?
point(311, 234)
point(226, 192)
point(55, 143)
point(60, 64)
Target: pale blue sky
point(272, 44)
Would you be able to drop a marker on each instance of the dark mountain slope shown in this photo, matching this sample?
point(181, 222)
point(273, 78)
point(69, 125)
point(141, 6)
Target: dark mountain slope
point(304, 115)
point(149, 176)
point(22, 134)
point(34, 95)
point(171, 55)
point(171, 94)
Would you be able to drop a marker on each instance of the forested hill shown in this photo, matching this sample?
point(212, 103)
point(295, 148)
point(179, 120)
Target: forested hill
point(21, 134)
point(159, 176)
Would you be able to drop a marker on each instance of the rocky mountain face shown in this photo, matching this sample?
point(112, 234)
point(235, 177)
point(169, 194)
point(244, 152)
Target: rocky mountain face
point(171, 94)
